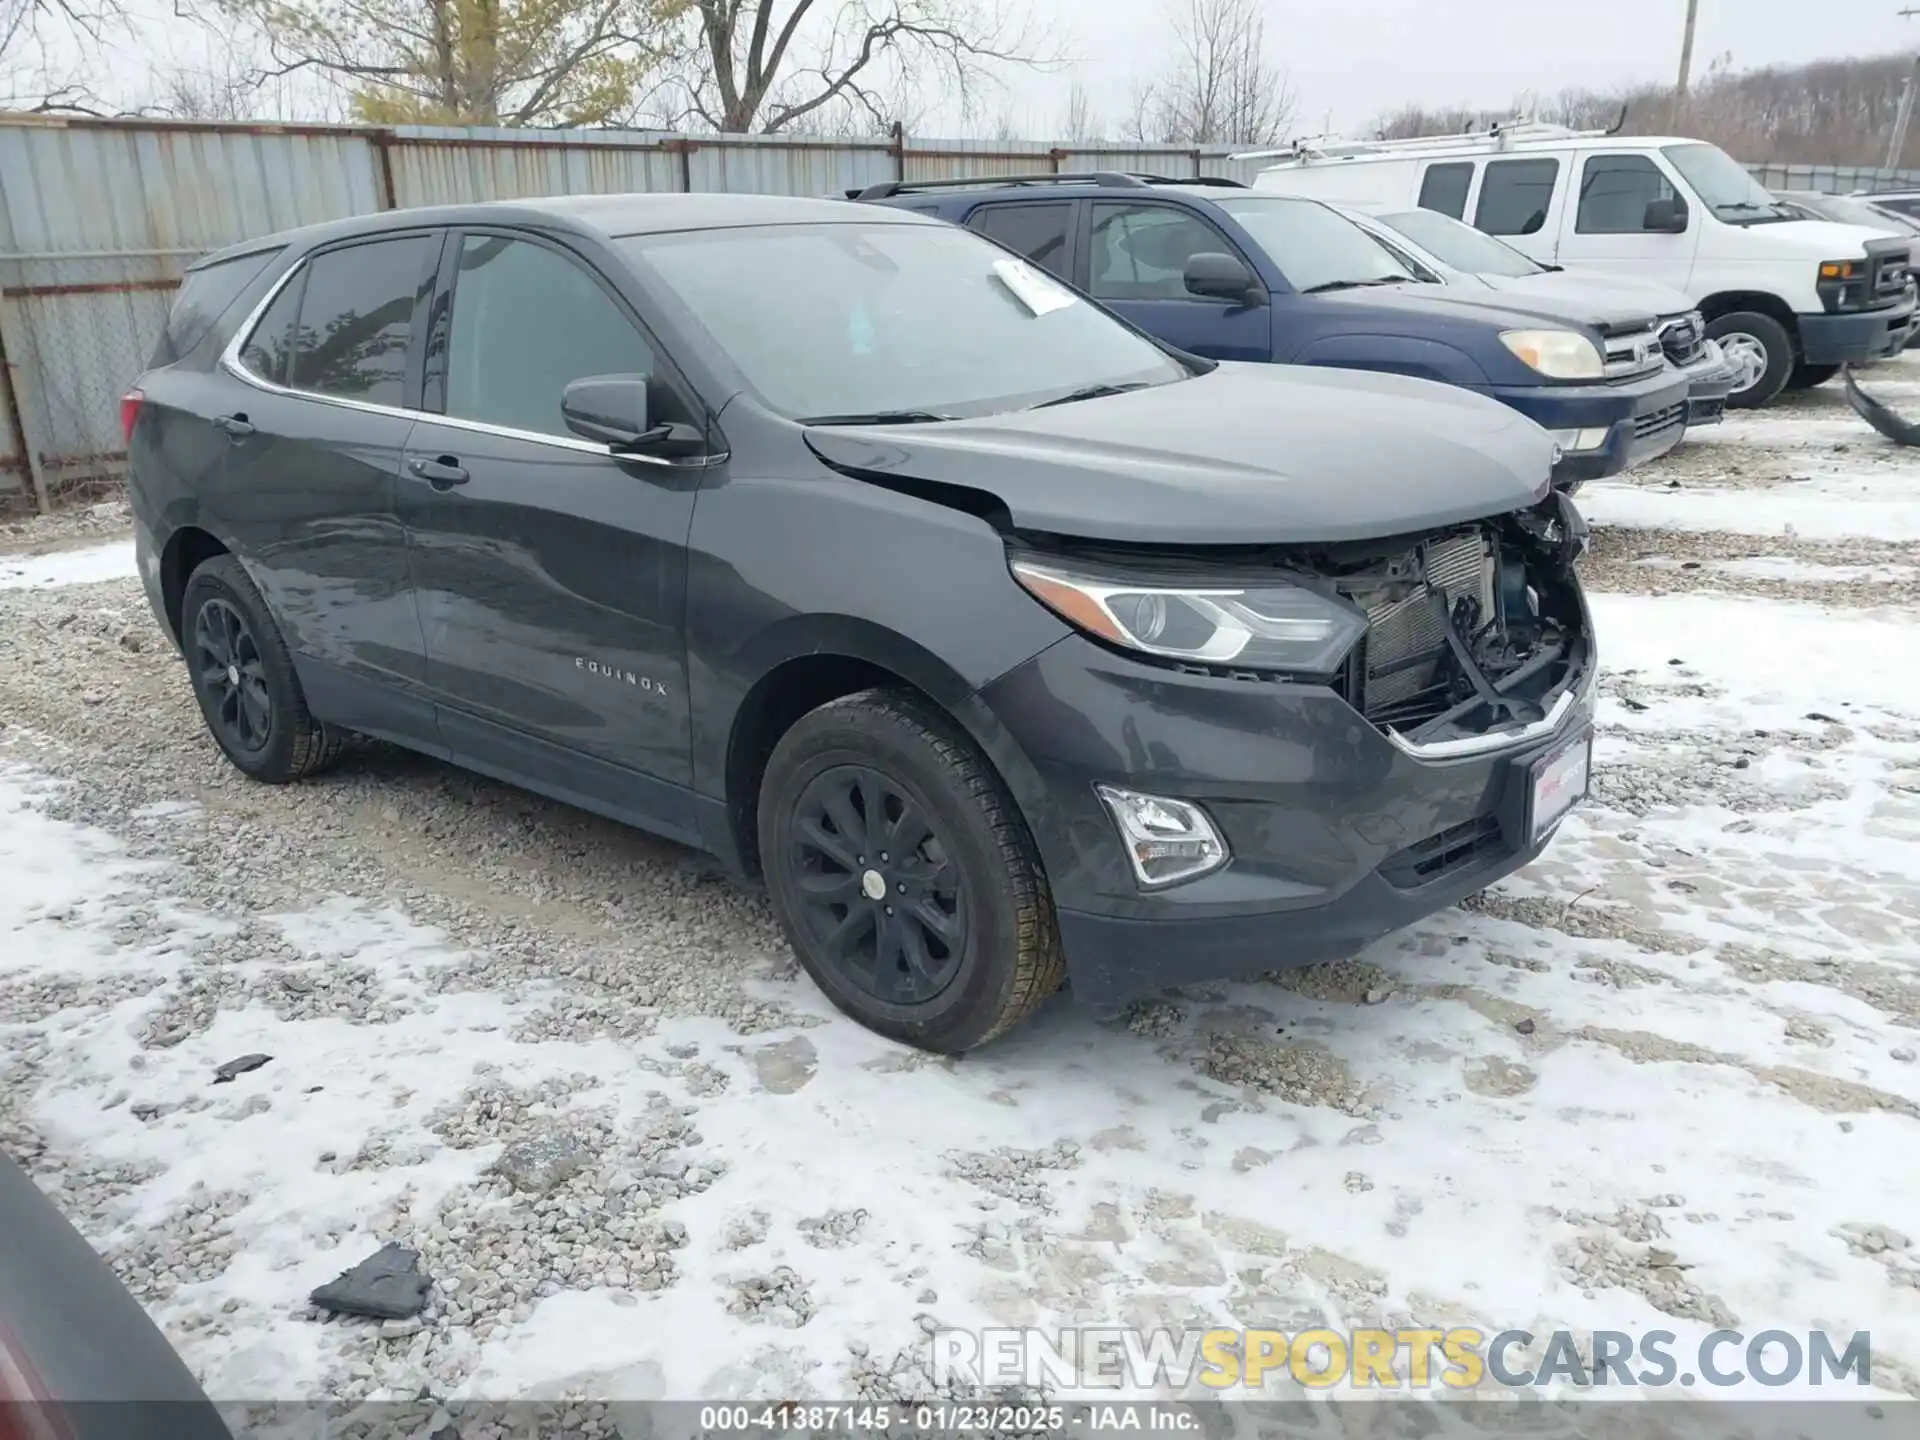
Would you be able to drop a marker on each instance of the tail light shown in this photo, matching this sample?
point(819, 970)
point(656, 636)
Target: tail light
point(130, 414)
point(27, 1411)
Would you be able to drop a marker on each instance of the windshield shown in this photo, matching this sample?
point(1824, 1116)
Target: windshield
point(1460, 245)
point(877, 318)
point(1315, 248)
point(1724, 186)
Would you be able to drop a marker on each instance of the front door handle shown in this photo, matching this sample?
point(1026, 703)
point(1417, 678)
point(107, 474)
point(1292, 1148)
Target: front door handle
point(442, 474)
point(235, 425)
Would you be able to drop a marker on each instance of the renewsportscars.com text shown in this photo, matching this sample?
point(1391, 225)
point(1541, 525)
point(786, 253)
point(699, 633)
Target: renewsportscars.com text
point(1459, 1358)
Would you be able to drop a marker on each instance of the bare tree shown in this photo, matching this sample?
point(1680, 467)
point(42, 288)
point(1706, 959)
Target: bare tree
point(1826, 112)
point(474, 62)
point(1220, 87)
point(1081, 125)
point(32, 75)
point(767, 65)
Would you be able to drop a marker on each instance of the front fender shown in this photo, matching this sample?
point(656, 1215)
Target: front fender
point(1396, 355)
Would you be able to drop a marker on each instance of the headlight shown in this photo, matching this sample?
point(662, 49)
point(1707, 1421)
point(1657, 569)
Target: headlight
point(1842, 284)
point(1560, 354)
point(1265, 627)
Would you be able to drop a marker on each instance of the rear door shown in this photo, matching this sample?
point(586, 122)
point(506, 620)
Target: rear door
point(1517, 199)
point(1137, 253)
point(552, 578)
point(1043, 231)
point(316, 425)
point(1605, 226)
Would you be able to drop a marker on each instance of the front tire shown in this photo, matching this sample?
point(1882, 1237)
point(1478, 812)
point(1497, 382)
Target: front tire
point(244, 679)
point(903, 875)
point(1762, 346)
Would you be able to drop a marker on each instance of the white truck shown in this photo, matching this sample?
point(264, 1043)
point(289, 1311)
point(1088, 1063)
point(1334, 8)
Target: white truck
point(1790, 300)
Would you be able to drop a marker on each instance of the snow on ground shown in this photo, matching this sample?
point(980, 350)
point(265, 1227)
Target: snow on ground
point(1663, 1079)
point(67, 567)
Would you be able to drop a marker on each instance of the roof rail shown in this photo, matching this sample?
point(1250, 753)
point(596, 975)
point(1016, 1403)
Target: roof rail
point(888, 188)
point(1501, 135)
point(1218, 180)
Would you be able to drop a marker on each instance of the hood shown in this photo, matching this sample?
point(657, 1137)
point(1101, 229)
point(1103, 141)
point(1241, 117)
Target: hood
point(1502, 308)
point(1245, 454)
point(1590, 287)
point(1810, 239)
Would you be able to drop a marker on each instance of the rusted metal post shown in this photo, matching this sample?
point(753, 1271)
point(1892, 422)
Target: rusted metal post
point(12, 373)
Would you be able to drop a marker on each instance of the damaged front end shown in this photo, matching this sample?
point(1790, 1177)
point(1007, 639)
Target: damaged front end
point(1475, 635)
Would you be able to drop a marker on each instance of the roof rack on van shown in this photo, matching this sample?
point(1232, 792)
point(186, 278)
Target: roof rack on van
point(888, 188)
point(1501, 135)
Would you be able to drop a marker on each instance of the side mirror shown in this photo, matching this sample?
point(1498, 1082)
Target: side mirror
point(611, 409)
point(1218, 276)
point(1665, 217)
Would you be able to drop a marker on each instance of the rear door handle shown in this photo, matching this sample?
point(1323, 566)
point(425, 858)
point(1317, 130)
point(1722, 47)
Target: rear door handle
point(442, 474)
point(234, 425)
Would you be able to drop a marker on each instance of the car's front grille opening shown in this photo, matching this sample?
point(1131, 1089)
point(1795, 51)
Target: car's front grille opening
point(1440, 855)
point(1682, 339)
point(1656, 422)
point(1407, 664)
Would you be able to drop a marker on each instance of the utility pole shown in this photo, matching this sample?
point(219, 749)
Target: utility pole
point(1686, 55)
point(1900, 120)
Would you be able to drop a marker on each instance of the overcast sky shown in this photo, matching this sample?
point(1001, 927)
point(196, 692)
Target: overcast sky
point(1349, 60)
point(1360, 58)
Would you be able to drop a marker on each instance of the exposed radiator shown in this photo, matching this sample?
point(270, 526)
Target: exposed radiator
point(1407, 638)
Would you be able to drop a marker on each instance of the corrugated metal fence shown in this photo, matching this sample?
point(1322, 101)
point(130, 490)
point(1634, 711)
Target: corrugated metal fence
point(99, 218)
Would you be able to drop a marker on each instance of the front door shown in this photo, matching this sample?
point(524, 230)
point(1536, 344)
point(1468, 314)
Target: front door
point(1605, 228)
point(551, 577)
point(315, 412)
point(1137, 255)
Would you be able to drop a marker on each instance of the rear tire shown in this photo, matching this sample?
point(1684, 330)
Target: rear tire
point(1760, 343)
point(1806, 376)
point(903, 875)
point(244, 679)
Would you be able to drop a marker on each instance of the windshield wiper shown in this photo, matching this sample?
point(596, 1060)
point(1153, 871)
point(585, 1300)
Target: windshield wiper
point(1325, 285)
point(878, 417)
point(1091, 392)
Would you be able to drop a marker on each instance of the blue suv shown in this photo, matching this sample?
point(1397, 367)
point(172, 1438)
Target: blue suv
point(1221, 270)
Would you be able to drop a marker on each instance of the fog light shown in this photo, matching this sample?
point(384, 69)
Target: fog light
point(1574, 441)
point(1166, 840)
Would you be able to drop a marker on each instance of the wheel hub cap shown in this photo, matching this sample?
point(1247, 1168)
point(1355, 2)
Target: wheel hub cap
point(233, 675)
point(1749, 354)
point(229, 675)
point(877, 886)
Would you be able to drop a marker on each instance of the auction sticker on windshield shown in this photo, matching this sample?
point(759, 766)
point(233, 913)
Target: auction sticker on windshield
point(1033, 289)
point(1559, 780)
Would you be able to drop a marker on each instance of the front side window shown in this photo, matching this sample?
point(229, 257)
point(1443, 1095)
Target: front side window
point(1140, 252)
point(863, 318)
point(1444, 188)
point(527, 321)
point(1038, 232)
point(1615, 191)
point(356, 316)
point(1515, 196)
point(1316, 248)
point(1458, 244)
point(270, 345)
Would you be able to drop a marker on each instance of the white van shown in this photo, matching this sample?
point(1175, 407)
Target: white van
point(1789, 300)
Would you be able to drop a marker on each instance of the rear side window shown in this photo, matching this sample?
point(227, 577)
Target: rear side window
point(1615, 191)
point(1444, 188)
point(270, 345)
point(205, 295)
point(1515, 196)
point(356, 316)
point(1038, 232)
point(527, 321)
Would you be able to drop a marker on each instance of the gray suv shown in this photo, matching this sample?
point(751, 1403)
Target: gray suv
point(1004, 642)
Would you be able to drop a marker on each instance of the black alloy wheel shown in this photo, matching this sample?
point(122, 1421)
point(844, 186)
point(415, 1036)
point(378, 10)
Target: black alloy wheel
point(226, 663)
point(903, 873)
point(878, 886)
point(244, 679)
